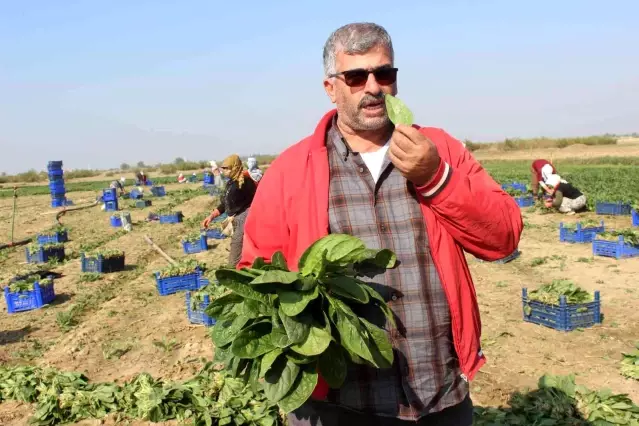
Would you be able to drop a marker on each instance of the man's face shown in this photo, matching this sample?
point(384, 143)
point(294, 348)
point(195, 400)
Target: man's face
point(361, 106)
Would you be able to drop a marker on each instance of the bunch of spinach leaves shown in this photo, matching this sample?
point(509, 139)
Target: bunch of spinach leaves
point(279, 329)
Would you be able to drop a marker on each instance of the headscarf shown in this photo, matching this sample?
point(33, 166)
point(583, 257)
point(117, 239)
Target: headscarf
point(546, 172)
point(213, 165)
point(234, 164)
point(554, 180)
point(251, 163)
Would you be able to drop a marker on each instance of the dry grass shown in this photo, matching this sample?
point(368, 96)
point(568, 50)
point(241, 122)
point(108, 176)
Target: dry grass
point(541, 143)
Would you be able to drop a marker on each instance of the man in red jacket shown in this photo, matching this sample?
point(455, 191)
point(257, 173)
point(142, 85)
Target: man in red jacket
point(415, 191)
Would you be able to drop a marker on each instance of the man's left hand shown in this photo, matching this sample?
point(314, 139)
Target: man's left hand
point(414, 155)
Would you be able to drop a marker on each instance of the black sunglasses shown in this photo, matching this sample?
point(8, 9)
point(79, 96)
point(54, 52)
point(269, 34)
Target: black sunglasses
point(358, 77)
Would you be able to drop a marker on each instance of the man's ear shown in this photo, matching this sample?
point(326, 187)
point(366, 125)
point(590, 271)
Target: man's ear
point(329, 86)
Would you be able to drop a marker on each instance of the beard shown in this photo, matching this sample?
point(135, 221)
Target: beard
point(355, 117)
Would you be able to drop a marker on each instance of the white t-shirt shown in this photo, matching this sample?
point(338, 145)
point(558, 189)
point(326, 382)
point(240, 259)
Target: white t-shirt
point(374, 160)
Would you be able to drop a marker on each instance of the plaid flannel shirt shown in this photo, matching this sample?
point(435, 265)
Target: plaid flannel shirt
point(425, 377)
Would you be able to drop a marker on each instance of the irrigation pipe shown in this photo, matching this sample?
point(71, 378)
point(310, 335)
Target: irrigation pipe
point(74, 208)
point(57, 218)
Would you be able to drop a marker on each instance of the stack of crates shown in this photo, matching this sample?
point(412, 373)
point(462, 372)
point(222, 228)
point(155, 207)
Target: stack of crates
point(110, 198)
point(56, 184)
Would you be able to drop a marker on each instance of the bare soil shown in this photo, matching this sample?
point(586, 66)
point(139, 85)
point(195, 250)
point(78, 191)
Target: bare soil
point(127, 328)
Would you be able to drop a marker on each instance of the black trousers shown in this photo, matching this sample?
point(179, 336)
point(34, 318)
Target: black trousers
point(315, 413)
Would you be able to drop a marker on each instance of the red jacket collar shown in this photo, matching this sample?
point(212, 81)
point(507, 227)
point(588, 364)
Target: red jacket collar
point(318, 139)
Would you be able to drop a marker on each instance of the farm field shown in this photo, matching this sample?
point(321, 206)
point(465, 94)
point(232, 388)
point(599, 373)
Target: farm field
point(117, 326)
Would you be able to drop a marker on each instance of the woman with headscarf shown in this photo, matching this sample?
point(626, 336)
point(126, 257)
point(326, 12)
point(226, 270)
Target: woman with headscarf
point(541, 170)
point(564, 196)
point(118, 185)
point(141, 178)
point(253, 170)
point(235, 202)
point(217, 177)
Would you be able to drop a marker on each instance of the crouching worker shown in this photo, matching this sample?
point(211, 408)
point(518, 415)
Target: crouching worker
point(118, 185)
point(565, 197)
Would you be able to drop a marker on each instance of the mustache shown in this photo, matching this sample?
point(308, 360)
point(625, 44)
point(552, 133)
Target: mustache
point(371, 99)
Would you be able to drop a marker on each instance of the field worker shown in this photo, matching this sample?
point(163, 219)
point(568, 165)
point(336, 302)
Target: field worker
point(217, 177)
point(540, 170)
point(565, 197)
point(235, 201)
point(118, 185)
point(415, 191)
point(253, 169)
point(181, 178)
point(141, 178)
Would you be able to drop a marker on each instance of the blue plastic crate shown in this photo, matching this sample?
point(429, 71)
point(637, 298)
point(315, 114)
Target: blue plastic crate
point(635, 218)
point(617, 249)
point(525, 201)
point(55, 193)
point(172, 285)
point(44, 255)
point(100, 264)
point(613, 209)
point(111, 206)
point(515, 185)
point(580, 235)
point(190, 248)
point(171, 218)
point(198, 316)
point(562, 317)
point(158, 191)
point(140, 204)
point(115, 221)
point(215, 234)
point(56, 185)
point(54, 165)
point(514, 255)
point(135, 194)
point(109, 194)
point(55, 175)
point(58, 237)
point(209, 179)
point(28, 300)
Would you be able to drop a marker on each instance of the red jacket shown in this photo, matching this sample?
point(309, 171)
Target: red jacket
point(468, 211)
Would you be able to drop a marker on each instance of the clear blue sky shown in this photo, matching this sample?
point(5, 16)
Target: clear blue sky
point(99, 83)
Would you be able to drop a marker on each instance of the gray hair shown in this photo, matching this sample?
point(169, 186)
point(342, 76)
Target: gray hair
point(355, 39)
